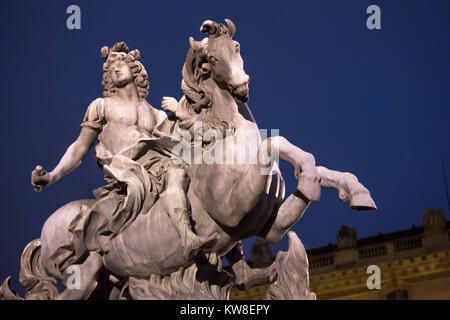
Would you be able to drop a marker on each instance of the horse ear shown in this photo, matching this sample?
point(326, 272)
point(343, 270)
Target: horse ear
point(209, 27)
point(231, 27)
point(194, 44)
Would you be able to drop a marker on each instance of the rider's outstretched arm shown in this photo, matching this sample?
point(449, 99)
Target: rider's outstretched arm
point(74, 155)
point(72, 158)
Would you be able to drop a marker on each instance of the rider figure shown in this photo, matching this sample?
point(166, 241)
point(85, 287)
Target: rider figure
point(122, 122)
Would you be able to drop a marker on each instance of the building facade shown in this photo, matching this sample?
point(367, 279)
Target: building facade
point(412, 264)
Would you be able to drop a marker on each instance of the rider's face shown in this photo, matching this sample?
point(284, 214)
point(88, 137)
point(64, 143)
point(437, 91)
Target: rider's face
point(120, 73)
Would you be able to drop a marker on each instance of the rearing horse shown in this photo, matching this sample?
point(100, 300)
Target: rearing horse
point(233, 200)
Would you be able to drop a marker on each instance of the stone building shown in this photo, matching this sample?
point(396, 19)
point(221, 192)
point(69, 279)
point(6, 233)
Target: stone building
point(414, 264)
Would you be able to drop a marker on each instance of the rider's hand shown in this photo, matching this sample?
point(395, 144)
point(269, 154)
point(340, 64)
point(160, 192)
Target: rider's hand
point(39, 178)
point(169, 104)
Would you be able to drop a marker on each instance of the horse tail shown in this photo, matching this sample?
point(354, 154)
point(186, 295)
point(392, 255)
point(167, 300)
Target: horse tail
point(38, 285)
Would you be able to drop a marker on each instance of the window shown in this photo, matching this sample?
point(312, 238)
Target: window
point(320, 262)
point(408, 245)
point(372, 252)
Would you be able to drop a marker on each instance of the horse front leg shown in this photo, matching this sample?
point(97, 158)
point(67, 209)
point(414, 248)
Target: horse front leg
point(310, 180)
point(308, 187)
point(350, 189)
point(304, 164)
point(285, 217)
point(296, 204)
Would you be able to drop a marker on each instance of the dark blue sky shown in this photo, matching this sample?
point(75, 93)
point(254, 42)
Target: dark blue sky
point(375, 103)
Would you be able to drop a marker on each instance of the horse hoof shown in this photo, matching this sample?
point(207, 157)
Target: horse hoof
point(362, 202)
point(309, 187)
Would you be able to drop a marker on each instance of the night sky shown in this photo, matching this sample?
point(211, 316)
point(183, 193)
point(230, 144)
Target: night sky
point(372, 102)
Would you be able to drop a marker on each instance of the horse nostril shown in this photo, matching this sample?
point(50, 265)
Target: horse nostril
point(234, 87)
point(231, 87)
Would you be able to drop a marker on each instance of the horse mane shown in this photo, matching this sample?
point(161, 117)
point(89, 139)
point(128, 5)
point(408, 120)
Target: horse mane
point(197, 103)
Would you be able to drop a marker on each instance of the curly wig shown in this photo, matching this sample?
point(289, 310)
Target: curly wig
point(137, 69)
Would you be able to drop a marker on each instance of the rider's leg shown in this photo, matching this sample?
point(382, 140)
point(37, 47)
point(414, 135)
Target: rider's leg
point(81, 279)
point(176, 204)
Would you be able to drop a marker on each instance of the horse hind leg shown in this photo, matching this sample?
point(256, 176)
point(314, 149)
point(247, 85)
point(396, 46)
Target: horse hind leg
point(287, 276)
point(246, 276)
point(78, 269)
point(42, 260)
point(81, 279)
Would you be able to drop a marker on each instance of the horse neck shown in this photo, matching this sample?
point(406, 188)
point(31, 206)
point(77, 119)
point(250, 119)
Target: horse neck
point(224, 106)
point(246, 138)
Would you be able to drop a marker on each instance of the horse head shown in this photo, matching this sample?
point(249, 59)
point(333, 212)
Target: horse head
point(218, 57)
